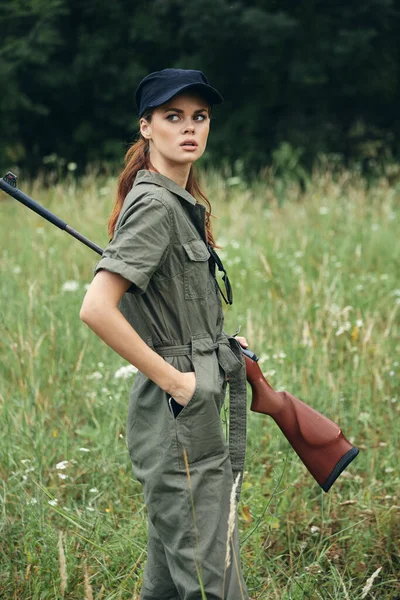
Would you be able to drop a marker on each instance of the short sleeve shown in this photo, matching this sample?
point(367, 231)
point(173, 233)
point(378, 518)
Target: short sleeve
point(141, 239)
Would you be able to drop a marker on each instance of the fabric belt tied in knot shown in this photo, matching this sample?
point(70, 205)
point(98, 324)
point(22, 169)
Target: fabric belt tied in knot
point(230, 358)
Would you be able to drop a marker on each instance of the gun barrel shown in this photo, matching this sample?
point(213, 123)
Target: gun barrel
point(9, 185)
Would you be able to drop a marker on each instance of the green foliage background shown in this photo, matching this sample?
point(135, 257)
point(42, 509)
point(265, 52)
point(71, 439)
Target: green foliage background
point(320, 76)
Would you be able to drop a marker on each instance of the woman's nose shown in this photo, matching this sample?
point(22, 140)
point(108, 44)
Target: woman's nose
point(188, 127)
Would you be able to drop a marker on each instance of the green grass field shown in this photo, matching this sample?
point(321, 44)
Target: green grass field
point(317, 294)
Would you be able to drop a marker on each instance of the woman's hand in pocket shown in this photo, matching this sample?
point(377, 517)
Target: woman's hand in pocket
point(186, 388)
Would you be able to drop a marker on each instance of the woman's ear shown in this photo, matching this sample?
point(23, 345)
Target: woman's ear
point(145, 128)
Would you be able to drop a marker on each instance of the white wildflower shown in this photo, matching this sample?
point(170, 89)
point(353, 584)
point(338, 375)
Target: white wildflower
point(369, 583)
point(70, 286)
point(90, 508)
point(84, 450)
point(17, 269)
point(32, 501)
point(25, 460)
point(314, 529)
point(334, 309)
point(125, 372)
point(62, 475)
point(389, 470)
point(62, 465)
point(72, 166)
point(53, 502)
point(340, 331)
point(93, 490)
point(100, 365)
point(359, 322)
point(263, 358)
point(95, 375)
point(364, 417)
point(282, 354)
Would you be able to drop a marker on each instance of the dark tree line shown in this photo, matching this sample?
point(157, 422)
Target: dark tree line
point(321, 75)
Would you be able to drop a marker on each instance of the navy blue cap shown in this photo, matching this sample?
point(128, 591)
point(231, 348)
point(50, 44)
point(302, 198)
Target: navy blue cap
point(160, 86)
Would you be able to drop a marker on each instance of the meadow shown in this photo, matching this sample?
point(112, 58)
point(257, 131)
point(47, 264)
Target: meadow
point(315, 274)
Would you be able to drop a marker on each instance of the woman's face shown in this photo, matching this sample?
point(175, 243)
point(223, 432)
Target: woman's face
point(185, 117)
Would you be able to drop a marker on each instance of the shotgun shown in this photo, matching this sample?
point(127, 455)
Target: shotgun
point(318, 441)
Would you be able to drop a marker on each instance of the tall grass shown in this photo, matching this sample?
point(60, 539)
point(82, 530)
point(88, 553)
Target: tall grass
point(316, 293)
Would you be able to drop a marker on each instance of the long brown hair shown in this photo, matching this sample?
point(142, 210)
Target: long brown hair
point(137, 158)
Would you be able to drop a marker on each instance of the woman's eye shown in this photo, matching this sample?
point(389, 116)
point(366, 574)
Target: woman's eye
point(203, 117)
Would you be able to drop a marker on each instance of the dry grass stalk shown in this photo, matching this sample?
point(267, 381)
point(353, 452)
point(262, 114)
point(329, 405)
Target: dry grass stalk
point(88, 587)
point(231, 528)
point(231, 521)
point(369, 583)
point(63, 565)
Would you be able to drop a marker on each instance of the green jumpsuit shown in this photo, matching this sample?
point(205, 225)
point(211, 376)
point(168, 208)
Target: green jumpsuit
point(184, 463)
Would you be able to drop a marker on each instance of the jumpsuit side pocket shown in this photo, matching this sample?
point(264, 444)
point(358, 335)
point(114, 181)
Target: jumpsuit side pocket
point(198, 426)
point(174, 407)
point(192, 400)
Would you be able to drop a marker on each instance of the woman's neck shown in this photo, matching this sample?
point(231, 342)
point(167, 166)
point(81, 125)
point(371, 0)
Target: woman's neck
point(179, 174)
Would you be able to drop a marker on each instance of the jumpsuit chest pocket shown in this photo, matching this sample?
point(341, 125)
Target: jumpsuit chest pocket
point(196, 270)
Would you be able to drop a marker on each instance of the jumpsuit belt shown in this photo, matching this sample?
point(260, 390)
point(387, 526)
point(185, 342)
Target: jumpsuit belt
point(230, 358)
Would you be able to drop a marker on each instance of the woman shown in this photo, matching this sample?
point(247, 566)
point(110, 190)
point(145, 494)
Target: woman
point(155, 300)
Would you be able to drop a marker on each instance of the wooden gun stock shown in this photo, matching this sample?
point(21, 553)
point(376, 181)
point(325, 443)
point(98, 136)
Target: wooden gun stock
point(318, 441)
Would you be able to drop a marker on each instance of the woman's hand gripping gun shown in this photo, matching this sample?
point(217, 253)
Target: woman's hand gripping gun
point(317, 440)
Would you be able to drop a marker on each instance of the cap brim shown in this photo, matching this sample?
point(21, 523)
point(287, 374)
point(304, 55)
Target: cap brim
point(208, 92)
